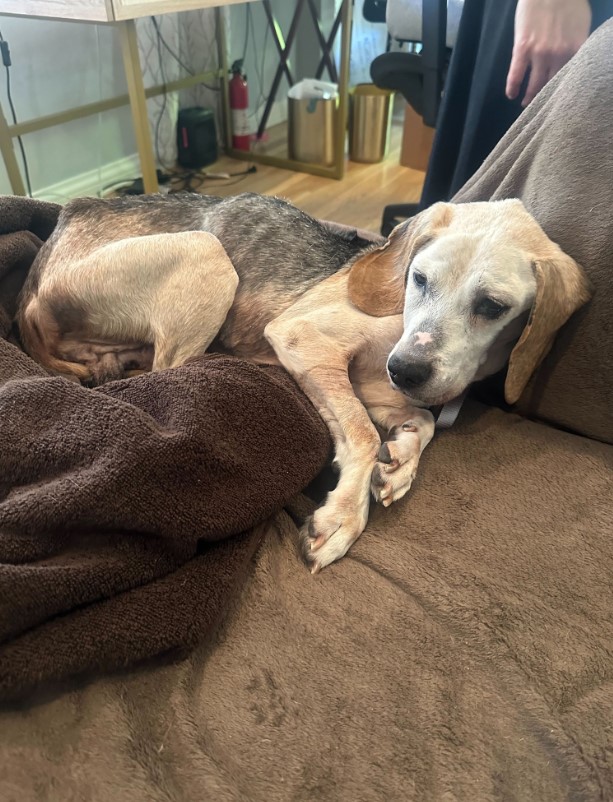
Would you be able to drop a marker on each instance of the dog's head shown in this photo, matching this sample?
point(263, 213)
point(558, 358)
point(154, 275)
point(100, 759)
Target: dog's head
point(479, 285)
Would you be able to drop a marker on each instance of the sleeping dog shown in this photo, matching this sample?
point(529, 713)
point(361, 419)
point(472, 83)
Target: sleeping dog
point(373, 333)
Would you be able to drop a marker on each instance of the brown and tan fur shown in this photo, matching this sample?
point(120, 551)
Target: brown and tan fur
point(149, 285)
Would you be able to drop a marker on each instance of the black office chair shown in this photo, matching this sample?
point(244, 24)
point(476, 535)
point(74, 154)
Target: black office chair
point(419, 77)
point(374, 10)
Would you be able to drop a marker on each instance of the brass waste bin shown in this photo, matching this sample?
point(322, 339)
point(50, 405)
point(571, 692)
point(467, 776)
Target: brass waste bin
point(369, 123)
point(311, 130)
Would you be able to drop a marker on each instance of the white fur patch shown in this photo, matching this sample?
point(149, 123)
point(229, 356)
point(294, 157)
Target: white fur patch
point(422, 338)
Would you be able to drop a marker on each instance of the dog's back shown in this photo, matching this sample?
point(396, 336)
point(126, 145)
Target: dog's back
point(278, 252)
point(267, 239)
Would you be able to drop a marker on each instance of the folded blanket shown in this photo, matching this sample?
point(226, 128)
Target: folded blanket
point(122, 508)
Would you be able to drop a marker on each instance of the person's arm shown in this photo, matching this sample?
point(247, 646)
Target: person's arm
point(548, 33)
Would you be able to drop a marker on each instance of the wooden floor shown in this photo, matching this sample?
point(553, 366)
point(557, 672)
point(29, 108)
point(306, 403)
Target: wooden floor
point(357, 200)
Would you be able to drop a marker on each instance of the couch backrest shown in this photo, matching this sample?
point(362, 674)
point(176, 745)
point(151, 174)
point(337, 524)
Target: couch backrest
point(558, 159)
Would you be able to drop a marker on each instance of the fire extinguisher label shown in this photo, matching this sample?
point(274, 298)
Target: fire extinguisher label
point(240, 123)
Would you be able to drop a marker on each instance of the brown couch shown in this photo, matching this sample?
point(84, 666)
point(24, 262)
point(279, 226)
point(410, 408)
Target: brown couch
point(463, 650)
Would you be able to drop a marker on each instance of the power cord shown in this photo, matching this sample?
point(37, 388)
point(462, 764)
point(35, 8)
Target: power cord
point(247, 18)
point(186, 181)
point(160, 116)
point(192, 180)
point(6, 60)
point(133, 186)
point(260, 68)
point(176, 56)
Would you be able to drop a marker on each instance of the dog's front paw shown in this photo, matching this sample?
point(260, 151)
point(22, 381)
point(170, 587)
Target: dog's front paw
point(329, 533)
point(396, 465)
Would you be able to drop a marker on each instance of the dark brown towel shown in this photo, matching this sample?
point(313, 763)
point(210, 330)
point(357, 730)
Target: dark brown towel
point(121, 508)
point(558, 159)
point(24, 225)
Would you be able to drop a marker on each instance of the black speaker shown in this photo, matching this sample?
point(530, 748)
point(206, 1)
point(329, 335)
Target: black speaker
point(196, 137)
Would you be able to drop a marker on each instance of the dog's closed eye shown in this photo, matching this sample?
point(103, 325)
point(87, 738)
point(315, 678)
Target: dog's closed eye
point(489, 308)
point(419, 279)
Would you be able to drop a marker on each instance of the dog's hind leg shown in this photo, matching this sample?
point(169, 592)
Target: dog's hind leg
point(193, 303)
point(169, 291)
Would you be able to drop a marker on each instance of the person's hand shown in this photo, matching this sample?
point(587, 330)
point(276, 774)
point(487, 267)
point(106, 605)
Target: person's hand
point(548, 33)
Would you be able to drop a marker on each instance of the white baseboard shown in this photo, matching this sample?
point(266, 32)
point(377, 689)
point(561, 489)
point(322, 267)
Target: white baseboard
point(91, 182)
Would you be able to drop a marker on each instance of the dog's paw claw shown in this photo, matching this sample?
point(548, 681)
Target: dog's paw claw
point(318, 542)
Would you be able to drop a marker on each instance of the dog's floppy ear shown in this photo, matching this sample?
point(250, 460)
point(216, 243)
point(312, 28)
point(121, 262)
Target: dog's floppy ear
point(377, 279)
point(561, 289)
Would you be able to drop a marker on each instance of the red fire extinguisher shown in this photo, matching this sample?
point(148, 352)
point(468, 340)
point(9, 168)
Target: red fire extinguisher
point(239, 103)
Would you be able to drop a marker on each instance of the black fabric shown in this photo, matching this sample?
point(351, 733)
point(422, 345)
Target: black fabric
point(475, 112)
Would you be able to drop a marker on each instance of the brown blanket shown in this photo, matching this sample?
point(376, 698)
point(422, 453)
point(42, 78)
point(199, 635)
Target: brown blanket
point(121, 508)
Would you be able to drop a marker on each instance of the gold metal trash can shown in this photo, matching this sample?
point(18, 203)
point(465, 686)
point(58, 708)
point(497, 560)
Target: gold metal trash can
point(369, 123)
point(311, 130)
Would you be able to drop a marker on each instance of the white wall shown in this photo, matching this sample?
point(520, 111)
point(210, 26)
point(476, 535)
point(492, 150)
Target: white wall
point(55, 67)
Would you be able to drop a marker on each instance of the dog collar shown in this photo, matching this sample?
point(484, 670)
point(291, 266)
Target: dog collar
point(450, 411)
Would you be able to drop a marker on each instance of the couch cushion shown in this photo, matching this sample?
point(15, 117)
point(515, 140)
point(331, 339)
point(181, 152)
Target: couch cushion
point(463, 651)
point(558, 159)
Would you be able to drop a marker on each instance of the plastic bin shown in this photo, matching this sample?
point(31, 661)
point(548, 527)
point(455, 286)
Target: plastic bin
point(369, 123)
point(311, 130)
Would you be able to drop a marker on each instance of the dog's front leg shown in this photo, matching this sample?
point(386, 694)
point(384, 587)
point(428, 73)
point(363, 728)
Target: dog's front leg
point(410, 429)
point(320, 367)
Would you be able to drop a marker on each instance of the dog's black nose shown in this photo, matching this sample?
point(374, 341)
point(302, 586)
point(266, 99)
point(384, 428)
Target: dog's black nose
point(409, 375)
